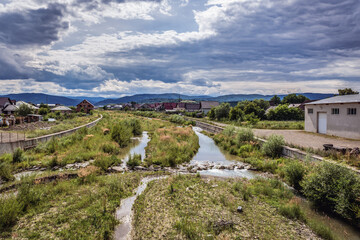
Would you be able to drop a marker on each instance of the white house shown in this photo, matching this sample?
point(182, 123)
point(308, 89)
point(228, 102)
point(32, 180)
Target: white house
point(337, 116)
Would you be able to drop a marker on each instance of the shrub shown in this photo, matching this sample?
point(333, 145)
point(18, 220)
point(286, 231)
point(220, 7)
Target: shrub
point(335, 188)
point(177, 119)
point(110, 148)
point(10, 210)
point(134, 160)
point(51, 146)
point(121, 134)
point(5, 171)
point(106, 161)
point(273, 146)
point(292, 211)
point(229, 131)
point(17, 155)
point(244, 135)
point(135, 126)
point(294, 173)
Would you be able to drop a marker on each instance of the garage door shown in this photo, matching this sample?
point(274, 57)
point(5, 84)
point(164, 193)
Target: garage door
point(322, 123)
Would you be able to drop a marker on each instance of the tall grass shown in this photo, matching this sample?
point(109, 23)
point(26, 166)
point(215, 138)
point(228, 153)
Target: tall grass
point(171, 146)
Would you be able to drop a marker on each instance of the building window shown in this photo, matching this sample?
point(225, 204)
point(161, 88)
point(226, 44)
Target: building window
point(351, 111)
point(310, 110)
point(335, 111)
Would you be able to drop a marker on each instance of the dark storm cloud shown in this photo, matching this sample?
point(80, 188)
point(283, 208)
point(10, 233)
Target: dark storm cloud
point(33, 27)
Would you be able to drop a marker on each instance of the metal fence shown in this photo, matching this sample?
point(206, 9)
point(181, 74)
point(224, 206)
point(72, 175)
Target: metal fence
point(6, 137)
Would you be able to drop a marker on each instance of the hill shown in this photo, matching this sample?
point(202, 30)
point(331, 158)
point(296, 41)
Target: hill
point(149, 98)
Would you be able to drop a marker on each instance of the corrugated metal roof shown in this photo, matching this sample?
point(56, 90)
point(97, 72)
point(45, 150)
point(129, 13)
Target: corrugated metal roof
point(354, 98)
point(209, 104)
point(61, 108)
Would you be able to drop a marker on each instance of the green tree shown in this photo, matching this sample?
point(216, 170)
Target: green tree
point(236, 114)
point(24, 110)
point(293, 98)
point(276, 100)
point(211, 114)
point(222, 111)
point(44, 111)
point(347, 91)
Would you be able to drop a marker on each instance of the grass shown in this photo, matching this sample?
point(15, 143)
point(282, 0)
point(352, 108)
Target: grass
point(62, 125)
point(73, 209)
point(190, 207)
point(95, 143)
point(171, 146)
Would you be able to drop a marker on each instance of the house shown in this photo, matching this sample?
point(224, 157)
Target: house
point(84, 106)
point(19, 103)
point(192, 107)
point(170, 107)
point(207, 105)
point(338, 116)
point(10, 109)
point(181, 106)
point(61, 109)
point(34, 118)
point(4, 101)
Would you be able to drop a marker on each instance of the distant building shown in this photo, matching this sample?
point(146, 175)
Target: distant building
point(338, 116)
point(170, 107)
point(85, 106)
point(192, 107)
point(4, 101)
point(10, 109)
point(207, 105)
point(61, 109)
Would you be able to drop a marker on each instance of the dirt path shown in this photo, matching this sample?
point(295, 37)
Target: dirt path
point(304, 139)
point(307, 140)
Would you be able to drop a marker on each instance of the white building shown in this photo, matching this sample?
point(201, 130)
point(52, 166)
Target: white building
point(337, 116)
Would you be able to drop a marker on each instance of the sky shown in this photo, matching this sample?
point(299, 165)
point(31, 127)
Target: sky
point(113, 48)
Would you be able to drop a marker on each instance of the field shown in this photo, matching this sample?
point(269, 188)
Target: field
point(210, 211)
point(70, 209)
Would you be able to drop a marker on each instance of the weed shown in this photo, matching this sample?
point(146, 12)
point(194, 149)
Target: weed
point(273, 146)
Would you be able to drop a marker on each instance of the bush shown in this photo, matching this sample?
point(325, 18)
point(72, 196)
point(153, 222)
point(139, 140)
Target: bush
point(51, 146)
point(135, 126)
point(177, 119)
point(121, 134)
point(106, 161)
point(294, 173)
point(134, 160)
point(273, 146)
point(17, 155)
point(292, 211)
point(334, 188)
point(110, 148)
point(244, 135)
point(5, 171)
point(229, 131)
point(10, 210)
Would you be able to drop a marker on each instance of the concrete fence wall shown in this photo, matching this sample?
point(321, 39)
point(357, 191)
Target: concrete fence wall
point(9, 147)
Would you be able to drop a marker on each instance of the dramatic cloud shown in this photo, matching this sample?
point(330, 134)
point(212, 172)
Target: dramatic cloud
point(38, 27)
point(117, 47)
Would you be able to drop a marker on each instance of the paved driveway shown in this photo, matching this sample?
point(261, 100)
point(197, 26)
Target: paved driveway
point(304, 139)
point(307, 140)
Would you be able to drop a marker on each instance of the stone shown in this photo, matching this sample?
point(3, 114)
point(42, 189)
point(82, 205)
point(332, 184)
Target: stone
point(239, 209)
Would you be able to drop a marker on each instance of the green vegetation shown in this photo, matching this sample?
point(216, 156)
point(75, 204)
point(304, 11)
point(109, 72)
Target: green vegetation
point(284, 113)
point(72, 209)
point(171, 146)
point(273, 146)
point(64, 122)
point(190, 207)
point(331, 187)
point(24, 110)
point(134, 160)
point(334, 188)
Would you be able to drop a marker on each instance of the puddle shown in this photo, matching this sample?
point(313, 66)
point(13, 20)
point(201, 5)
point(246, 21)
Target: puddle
point(124, 213)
